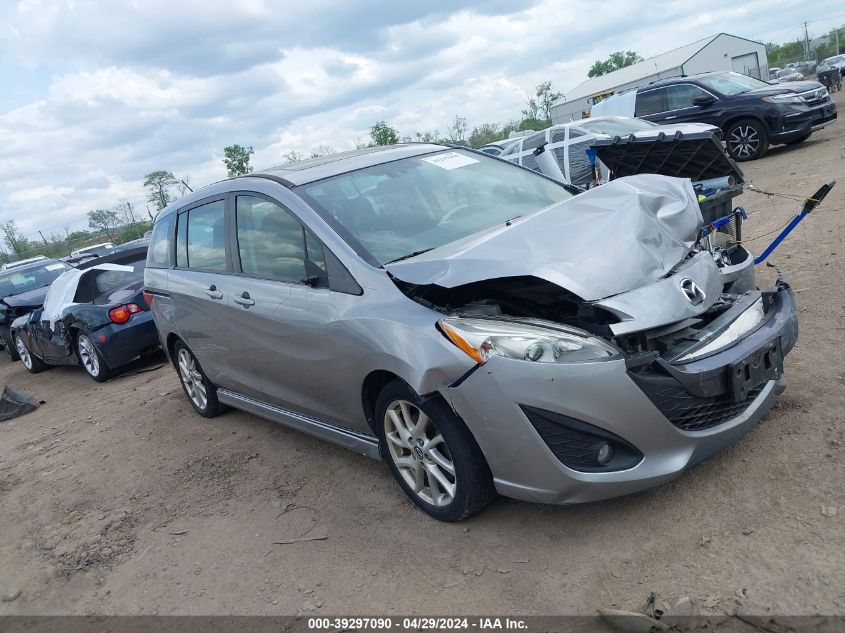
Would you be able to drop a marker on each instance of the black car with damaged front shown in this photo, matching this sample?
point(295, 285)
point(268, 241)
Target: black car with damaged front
point(22, 290)
point(95, 316)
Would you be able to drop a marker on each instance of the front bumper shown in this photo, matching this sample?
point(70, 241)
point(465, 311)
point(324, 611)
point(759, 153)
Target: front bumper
point(798, 121)
point(603, 394)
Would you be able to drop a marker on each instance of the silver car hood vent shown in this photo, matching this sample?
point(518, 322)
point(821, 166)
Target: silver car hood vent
point(626, 234)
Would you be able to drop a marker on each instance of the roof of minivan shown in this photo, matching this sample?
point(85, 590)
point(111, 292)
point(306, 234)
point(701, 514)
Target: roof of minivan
point(314, 169)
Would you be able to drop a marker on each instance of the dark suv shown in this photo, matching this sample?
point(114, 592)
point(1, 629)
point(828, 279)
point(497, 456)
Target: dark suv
point(753, 114)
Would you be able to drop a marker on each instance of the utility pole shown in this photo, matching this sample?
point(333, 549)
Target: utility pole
point(806, 43)
point(46, 243)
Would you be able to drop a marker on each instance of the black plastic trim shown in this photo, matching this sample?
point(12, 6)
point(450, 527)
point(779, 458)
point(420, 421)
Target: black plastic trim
point(575, 442)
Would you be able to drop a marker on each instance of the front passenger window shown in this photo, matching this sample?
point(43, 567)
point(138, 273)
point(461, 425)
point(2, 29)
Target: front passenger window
point(681, 96)
point(271, 242)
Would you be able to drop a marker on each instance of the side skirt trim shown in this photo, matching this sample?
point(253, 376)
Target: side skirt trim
point(359, 442)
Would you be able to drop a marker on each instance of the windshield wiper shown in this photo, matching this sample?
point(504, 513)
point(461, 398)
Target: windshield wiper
point(410, 255)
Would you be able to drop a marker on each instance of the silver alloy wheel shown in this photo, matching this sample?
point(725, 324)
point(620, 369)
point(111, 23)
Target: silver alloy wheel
point(420, 453)
point(744, 141)
point(88, 355)
point(192, 378)
point(23, 352)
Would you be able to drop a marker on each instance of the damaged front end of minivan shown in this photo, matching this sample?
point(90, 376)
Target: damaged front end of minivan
point(637, 348)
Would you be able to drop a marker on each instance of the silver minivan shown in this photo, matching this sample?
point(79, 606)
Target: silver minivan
point(478, 326)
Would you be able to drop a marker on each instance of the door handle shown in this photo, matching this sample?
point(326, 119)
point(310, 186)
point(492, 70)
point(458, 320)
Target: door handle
point(674, 116)
point(244, 300)
point(213, 292)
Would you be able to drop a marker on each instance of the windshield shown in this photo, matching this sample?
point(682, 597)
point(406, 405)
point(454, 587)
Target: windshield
point(616, 127)
point(732, 83)
point(834, 60)
point(19, 281)
point(415, 204)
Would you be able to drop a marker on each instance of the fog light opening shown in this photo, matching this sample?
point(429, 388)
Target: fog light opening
point(605, 453)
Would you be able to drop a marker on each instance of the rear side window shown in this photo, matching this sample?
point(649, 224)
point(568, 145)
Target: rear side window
point(206, 239)
point(271, 242)
point(651, 102)
point(158, 255)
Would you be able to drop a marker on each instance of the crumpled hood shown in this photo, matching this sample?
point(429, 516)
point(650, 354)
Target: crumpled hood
point(31, 298)
point(623, 235)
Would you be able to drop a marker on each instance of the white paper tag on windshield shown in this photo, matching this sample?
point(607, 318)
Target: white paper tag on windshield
point(449, 160)
point(54, 266)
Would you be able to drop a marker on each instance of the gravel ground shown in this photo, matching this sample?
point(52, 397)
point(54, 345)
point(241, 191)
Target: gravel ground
point(118, 499)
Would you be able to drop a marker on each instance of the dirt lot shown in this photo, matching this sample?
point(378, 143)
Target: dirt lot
point(118, 499)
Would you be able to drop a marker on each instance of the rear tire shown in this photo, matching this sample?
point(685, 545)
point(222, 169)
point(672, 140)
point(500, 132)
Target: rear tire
point(202, 394)
point(432, 454)
point(32, 363)
point(91, 359)
point(9, 344)
point(746, 139)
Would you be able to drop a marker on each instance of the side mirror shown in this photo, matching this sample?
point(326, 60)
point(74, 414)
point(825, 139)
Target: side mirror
point(703, 101)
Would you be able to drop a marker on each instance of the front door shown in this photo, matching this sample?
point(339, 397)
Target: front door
point(290, 326)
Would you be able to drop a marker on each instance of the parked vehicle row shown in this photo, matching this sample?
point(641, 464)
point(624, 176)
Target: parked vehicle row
point(752, 114)
point(93, 315)
point(482, 328)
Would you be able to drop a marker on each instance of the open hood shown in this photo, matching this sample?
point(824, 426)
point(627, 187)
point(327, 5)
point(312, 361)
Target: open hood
point(612, 239)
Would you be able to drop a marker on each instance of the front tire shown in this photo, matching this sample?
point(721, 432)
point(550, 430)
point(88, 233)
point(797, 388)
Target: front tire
point(747, 140)
point(91, 359)
point(32, 363)
point(432, 454)
point(202, 394)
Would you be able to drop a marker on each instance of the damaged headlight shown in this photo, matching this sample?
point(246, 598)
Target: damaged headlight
point(482, 338)
point(744, 324)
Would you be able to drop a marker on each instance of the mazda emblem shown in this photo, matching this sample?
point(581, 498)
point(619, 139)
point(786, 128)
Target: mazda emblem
point(692, 292)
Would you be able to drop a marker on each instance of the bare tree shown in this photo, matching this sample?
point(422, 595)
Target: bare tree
point(183, 186)
point(457, 130)
point(322, 150)
point(293, 157)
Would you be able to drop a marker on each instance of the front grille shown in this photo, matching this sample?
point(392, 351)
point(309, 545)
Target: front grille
point(689, 412)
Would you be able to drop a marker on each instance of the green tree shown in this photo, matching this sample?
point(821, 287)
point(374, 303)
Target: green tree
point(14, 240)
point(383, 134)
point(484, 133)
point(529, 123)
point(617, 60)
point(540, 105)
point(236, 159)
point(158, 184)
point(103, 220)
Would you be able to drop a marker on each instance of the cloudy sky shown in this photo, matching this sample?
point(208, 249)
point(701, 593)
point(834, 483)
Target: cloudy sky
point(94, 94)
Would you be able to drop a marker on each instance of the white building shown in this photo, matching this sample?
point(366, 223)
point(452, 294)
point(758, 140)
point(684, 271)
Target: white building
point(717, 52)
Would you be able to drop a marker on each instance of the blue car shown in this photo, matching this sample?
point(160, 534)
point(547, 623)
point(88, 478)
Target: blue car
point(95, 316)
